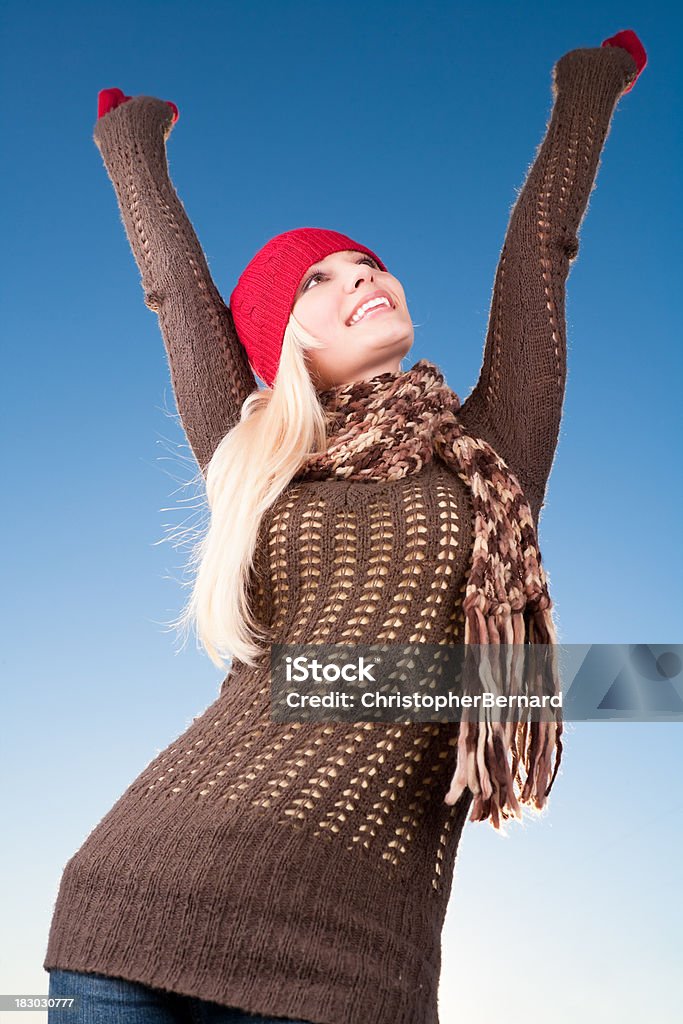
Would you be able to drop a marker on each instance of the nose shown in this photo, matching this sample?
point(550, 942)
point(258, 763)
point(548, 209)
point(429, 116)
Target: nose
point(359, 274)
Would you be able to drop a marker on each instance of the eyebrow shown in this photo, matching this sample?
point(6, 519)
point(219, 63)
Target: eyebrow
point(315, 266)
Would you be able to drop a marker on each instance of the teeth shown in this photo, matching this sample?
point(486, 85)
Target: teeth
point(372, 304)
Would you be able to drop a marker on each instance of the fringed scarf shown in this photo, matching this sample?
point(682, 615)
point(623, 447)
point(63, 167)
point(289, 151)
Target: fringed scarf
point(390, 427)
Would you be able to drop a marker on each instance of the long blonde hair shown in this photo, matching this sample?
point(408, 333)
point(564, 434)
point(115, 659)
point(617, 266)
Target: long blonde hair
point(249, 469)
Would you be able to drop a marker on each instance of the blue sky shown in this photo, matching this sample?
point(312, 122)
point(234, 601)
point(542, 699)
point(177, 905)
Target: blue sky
point(410, 128)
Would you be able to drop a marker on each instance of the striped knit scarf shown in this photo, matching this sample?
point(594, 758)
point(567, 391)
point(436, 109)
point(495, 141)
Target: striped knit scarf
point(390, 427)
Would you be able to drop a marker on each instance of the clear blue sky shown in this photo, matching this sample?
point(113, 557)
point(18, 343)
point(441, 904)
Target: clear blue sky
point(411, 128)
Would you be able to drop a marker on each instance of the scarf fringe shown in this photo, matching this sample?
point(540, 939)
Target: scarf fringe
point(507, 765)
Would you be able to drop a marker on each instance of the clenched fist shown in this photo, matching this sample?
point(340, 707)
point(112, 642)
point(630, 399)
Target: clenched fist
point(110, 99)
point(629, 41)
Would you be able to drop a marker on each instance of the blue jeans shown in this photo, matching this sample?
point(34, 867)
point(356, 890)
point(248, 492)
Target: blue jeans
point(103, 1000)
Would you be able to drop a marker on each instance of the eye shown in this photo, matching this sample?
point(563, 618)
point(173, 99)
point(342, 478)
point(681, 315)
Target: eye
point(320, 274)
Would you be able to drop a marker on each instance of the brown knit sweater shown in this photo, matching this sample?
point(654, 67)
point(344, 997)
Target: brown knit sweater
point(304, 870)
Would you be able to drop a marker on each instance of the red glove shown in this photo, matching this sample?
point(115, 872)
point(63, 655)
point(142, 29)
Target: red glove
point(110, 99)
point(628, 40)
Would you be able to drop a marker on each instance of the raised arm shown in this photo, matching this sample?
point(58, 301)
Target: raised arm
point(517, 403)
point(210, 371)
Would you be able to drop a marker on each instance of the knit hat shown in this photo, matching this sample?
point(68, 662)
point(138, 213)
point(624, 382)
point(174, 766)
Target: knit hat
point(262, 300)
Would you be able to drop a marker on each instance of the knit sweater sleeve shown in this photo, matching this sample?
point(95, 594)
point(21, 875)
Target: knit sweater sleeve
point(517, 403)
point(209, 368)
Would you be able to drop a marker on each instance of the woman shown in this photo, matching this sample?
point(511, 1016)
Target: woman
point(301, 871)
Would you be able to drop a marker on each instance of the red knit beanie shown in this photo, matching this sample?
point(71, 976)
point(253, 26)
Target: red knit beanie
point(262, 300)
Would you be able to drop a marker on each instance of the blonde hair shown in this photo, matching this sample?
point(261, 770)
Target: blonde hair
point(255, 461)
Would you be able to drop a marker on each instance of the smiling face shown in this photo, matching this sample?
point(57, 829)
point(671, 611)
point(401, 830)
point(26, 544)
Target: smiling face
point(328, 295)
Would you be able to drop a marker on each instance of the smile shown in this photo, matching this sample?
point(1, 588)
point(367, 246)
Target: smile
point(376, 311)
